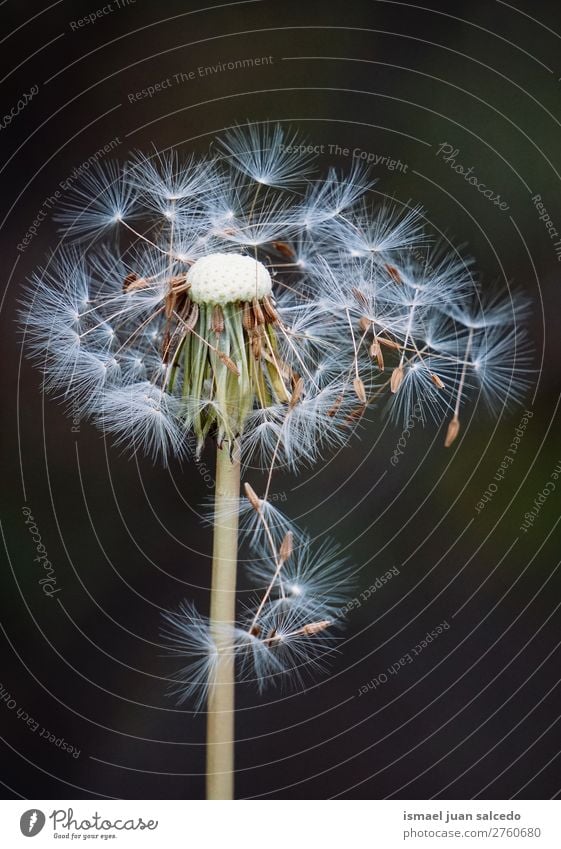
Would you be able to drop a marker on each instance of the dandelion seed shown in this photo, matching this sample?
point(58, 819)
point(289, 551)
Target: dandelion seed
point(264, 153)
point(286, 547)
point(437, 381)
point(360, 391)
point(452, 431)
point(396, 378)
point(98, 202)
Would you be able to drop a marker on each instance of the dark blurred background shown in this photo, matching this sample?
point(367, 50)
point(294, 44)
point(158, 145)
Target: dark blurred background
point(476, 714)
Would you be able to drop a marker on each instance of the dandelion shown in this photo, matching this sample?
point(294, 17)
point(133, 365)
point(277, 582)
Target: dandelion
point(238, 301)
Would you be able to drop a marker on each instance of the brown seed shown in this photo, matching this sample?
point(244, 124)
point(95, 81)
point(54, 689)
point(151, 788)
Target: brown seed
point(230, 364)
point(316, 627)
point(394, 273)
point(217, 319)
point(258, 312)
point(293, 375)
point(287, 546)
point(256, 346)
point(389, 343)
point(365, 324)
point(192, 318)
point(269, 310)
point(184, 306)
point(355, 415)
point(130, 281)
point(252, 497)
point(247, 318)
point(335, 408)
point(166, 342)
point(296, 393)
point(397, 378)
point(359, 389)
point(284, 249)
point(376, 352)
point(170, 304)
point(255, 631)
point(179, 283)
point(361, 298)
point(437, 381)
point(452, 432)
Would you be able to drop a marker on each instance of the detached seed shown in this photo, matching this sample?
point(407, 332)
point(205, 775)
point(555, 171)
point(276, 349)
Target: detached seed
point(252, 497)
point(452, 432)
point(389, 343)
point(359, 389)
point(296, 393)
point(287, 546)
point(284, 249)
point(132, 281)
point(316, 627)
point(355, 415)
point(437, 381)
point(376, 352)
point(360, 297)
point(396, 379)
point(335, 408)
point(394, 273)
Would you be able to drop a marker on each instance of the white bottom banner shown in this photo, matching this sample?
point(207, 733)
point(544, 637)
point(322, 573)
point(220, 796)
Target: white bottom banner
point(236, 825)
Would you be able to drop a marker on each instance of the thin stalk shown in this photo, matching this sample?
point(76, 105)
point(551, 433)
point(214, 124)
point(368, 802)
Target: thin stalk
point(220, 710)
point(266, 594)
point(463, 374)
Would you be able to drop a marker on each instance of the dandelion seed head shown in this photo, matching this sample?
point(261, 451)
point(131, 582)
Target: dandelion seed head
point(240, 278)
point(227, 278)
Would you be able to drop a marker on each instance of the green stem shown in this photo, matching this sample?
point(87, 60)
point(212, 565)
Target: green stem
point(220, 716)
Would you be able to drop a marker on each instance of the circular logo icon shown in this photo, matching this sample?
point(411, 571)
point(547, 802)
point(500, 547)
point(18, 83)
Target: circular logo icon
point(31, 822)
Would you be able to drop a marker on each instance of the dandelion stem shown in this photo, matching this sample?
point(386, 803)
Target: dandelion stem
point(220, 710)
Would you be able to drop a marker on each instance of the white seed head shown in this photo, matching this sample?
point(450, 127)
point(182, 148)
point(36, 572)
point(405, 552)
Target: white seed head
point(225, 278)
